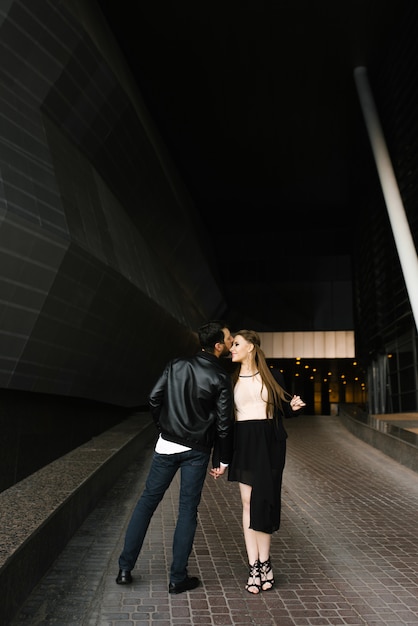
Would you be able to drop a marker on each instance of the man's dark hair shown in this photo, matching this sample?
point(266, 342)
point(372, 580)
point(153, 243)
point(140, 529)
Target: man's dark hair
point(211, 333)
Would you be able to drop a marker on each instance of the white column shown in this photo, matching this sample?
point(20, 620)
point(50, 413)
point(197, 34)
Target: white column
point(400, 227)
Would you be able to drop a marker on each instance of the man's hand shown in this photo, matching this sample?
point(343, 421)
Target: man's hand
point(217, 471)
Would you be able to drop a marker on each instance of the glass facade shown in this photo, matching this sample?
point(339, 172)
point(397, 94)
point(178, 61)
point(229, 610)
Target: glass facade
point(386, 331)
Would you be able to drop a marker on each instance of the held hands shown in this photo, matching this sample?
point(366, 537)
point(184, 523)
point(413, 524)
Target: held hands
point(218, 471)
point(297, 403)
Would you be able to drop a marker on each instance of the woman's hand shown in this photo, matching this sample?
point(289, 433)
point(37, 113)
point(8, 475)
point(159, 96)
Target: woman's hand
point(297, 403)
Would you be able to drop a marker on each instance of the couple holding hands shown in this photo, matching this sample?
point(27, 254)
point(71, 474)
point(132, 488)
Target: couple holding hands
point(200, 408)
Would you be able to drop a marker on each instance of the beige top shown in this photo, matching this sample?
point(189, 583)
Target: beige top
point(250, 402)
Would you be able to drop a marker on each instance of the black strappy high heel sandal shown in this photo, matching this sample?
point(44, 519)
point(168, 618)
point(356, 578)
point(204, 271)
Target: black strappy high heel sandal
point(253, 576)
point(265, 570)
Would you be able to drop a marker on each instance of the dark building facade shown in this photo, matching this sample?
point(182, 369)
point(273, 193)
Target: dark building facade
point(100, 250)
point(103, 269)
point(386, 331)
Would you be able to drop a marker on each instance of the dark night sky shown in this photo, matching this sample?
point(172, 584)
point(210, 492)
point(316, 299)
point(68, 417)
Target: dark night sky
point(256, 103)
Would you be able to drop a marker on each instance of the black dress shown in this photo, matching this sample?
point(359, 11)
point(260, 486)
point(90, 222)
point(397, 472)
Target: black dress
point(258, 460)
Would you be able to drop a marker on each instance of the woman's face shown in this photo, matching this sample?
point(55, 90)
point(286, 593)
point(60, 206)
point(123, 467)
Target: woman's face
point(240, 349)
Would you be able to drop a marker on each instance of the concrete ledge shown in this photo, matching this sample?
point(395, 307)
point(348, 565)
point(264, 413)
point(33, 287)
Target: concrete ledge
point(393, 442)
point(40, 514)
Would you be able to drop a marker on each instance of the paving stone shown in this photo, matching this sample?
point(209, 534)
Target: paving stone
point(345, 555)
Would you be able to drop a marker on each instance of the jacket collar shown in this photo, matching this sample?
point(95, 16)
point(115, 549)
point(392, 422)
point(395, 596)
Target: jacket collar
point(207, 355)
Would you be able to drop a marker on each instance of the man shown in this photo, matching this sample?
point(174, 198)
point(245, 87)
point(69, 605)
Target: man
point(192, 406)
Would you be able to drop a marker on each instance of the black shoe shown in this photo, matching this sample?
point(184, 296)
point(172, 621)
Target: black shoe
point(124, 577)
point(190, 582)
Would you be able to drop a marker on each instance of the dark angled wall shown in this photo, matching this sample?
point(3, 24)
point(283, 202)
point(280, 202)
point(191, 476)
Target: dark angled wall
point(101, 256)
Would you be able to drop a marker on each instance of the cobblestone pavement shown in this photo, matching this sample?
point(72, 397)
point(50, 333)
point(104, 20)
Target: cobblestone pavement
point(346, 553)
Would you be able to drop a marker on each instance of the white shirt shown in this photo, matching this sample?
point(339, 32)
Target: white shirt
point(170, 447)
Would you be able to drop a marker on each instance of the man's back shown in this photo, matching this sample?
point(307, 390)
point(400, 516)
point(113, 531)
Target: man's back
point(191, 402)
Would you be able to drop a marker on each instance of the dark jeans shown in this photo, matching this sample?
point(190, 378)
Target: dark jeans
point(193, 466)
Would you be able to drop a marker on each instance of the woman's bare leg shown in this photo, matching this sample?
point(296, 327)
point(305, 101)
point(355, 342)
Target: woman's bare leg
point(257, 543)
point(250, 538)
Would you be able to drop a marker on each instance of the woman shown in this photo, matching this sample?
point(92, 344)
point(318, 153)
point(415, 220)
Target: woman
point(259, 452)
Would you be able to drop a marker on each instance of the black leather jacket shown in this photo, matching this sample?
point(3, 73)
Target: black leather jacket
point(192, 404)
